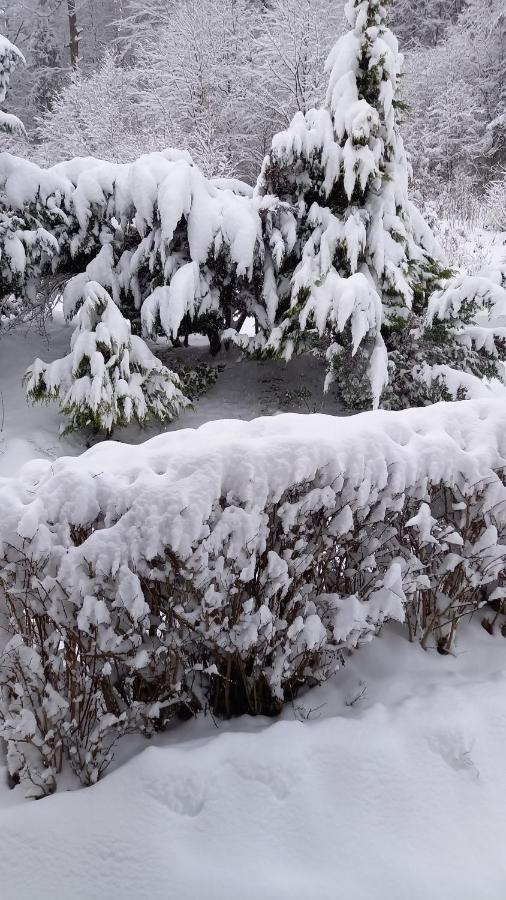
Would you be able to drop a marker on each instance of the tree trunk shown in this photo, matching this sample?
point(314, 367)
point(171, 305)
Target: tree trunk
point(73, 34)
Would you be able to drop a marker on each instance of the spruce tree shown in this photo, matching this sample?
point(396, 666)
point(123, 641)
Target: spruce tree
point(26, 248)
point(365, 263)
point(10, 57)
point(110, 377)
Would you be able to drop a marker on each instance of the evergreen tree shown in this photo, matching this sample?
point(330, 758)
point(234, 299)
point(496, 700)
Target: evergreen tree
point(110, 376)
point(365, 262)
point(10, 57)
point(176, 251)
point(26, 248)
point(45, 62)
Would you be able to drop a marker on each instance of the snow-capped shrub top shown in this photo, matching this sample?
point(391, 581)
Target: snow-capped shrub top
point(183, 477)
point(254, 463)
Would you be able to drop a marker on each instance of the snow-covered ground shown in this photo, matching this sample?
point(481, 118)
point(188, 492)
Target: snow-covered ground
point(245, 389)
point(386, 783)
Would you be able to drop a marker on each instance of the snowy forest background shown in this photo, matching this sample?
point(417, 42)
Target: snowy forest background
point(117, 78)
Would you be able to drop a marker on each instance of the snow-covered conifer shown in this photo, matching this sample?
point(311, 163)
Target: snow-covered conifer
point(10, 57)
point(26, 247)
point(174, 249)
point(365, 263)
point(364, 255)
point(110, 377)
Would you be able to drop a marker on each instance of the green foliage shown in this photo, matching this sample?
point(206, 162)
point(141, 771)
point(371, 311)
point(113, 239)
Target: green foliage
point(196, 379)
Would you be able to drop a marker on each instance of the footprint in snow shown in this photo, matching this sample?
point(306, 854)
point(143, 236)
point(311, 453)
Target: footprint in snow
point(182, 796)
point(275, 782)
point(455, 749)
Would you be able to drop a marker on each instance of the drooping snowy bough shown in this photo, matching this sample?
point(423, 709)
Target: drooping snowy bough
point(165, 241)
point(25, 246)
point(231, 566)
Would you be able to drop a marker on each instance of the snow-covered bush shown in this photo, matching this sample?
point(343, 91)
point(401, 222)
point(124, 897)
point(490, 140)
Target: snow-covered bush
point(328, 254)
point(110, 377)
point(196, 380)
point(167, 243)
point(176, 252)
point(26, 254)
point(231, 566)
point(464, 241)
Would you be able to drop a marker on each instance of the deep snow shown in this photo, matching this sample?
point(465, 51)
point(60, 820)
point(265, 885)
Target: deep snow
point(400, 794)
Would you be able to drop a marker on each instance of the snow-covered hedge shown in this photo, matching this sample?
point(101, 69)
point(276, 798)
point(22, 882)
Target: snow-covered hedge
point(232, 565)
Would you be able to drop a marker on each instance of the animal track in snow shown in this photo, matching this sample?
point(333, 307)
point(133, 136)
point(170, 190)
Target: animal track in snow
point(183, 796)
point(276, 783)
point(455, 749)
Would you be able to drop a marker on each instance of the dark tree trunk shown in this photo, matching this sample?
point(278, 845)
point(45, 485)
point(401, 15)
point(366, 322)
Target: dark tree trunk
point(73, 34)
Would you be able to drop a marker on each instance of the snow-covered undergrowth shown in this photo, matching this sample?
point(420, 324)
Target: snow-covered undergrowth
point(232, 565)
point(472, 248)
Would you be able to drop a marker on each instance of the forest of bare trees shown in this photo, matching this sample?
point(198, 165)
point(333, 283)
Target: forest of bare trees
point(115, 78)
